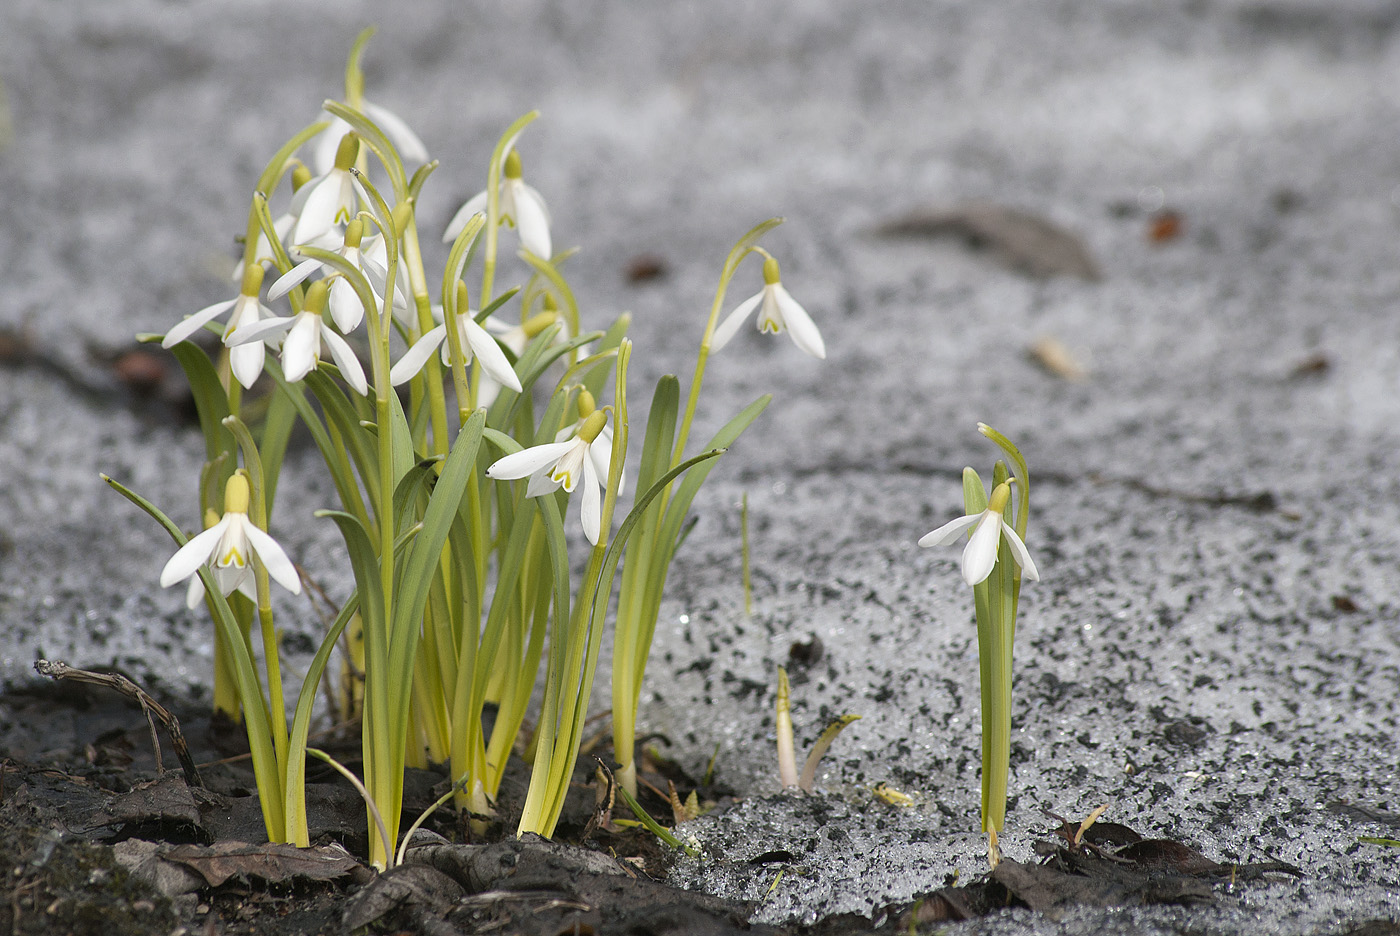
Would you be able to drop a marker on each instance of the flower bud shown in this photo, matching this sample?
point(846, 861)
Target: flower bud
point(538, 323)
point(300, 176)
point(586, 404)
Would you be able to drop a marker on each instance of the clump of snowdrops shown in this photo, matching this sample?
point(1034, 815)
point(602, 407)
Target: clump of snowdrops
point(457, 446)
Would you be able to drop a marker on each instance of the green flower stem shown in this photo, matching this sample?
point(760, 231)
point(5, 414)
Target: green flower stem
point(271, 654)
point(639, 602)
point(787, 751)
point(260, 745)
point(570, 684)
point(493, 204)
point(742, 249)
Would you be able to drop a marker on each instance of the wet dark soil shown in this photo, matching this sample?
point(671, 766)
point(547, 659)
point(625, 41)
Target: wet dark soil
point(96, 838)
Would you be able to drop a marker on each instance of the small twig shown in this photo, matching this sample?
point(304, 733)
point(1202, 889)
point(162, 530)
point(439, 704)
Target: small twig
point(59, 670)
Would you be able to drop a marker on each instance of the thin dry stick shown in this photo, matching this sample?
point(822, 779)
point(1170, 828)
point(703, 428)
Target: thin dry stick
point(59, 670)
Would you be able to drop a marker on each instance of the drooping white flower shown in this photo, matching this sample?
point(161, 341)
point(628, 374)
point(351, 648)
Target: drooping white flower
point(562, 464)
point(476, 343)
point(346, 309)
point(246, 361)
point(778, 311)
point(301, 350)
point(521, 206)
point(980, 555)
point(230, 545)
point(330, 199)
point(410, 147)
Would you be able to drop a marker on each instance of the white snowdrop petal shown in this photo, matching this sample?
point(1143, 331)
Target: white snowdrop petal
point(410, 147)
point(194, 323)
point(1021, 554)
point(344, 356)
point(728, 328)
point(292, 277)
point(980, 556)
point(246, 362)
point(260, 331)
point(459, 220)
point(416, 356)
point(799, 323)
point(193, 554)
point(489, 354)
point(302, 349)
point(527, 461)
point(274, 559)
point(532, 222)
point(591, 509)
point(949, 531)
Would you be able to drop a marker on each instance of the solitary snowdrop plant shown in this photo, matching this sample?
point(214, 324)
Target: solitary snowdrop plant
point(231, 545)
point(988, 529)
point(777, 312)
point(993, 564)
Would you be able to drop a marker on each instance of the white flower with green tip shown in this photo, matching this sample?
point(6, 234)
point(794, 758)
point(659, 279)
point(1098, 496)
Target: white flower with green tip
point(988, 529)
point(559, 464)
point(230, 546)
point(520, 205)
point(477, 344)
point(245, 361)
point(778, 311)
point(301, 349)
point(346, 309)
point(330, 199)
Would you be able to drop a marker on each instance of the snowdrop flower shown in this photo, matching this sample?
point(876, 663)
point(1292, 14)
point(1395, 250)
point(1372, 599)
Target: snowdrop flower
point(778, 311)
point(521, 206)
point(476, 343)
point(246, 361)
point(981, 553)
point(301, 351)
point(562, 463)
point(230, 544)
point(346, 309)
point(330, 198)
point(410, 147)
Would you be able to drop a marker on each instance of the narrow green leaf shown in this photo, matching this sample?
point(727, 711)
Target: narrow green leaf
point(245, 672)
point(210, 399)
point(272, 446)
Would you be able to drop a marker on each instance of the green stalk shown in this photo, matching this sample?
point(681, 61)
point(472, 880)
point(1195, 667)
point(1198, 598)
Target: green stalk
point(736, 256)
point(493, 203)
point(271, 656)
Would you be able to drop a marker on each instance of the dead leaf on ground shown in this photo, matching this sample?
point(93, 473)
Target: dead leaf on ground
point(1021, 240)
point(165, 799)
point(273, 863)
point(1056, 358)
point(1166, 225)
point(421, 888)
